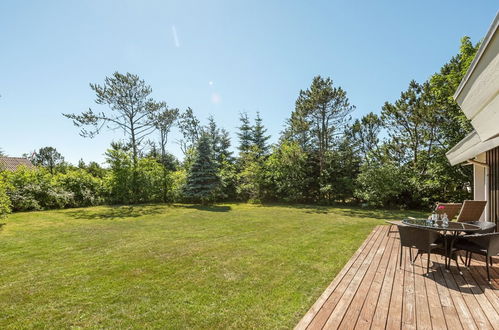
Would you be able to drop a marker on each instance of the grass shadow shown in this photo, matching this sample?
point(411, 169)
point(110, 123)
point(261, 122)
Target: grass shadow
point(353, 211)
point(209, 208)
point(115, 212)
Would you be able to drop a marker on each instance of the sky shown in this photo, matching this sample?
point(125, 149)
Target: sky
point(220, 58)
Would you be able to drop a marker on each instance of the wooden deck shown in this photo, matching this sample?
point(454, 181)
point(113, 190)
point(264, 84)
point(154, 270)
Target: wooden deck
point(372, 291)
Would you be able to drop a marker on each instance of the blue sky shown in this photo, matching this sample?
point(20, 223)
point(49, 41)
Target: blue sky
point(227, 57)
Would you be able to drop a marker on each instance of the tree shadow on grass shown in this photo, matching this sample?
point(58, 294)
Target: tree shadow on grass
point(116, 212)
point(353, 211)
point(209, 208)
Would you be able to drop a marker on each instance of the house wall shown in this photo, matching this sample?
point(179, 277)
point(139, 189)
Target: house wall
point(480, 183)
point(493, 191)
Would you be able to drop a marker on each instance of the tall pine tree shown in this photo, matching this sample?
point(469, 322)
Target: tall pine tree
point(259, 138)
point(203, 181)
point(245, 134)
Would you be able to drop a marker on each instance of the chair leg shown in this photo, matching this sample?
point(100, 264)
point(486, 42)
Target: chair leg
point(488, 272)
point(465, 258)
point(469, 259)
point(428, 264)
point(410, 254)
point(401, 250)
point(457, 265)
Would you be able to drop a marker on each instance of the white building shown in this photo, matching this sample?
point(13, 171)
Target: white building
point(478, 97)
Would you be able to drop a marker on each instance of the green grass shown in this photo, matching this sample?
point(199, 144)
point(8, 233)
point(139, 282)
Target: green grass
point(177, 266)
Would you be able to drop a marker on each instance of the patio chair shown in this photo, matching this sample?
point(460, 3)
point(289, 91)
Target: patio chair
point(484, 244)
point(426, 241)
point(471, 211)
point(451, 209)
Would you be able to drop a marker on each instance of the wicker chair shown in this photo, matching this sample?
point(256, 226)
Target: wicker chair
point(483, 244)
point(426, 241)
point(471, 211)
point(451, 209)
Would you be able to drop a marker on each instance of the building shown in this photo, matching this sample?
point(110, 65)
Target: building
point(13, 163)
point(478, 97)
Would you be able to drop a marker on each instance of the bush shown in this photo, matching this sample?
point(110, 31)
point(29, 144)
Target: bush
point(5, 203)
point(34, 190)
point(381, 184)
point(84, 189)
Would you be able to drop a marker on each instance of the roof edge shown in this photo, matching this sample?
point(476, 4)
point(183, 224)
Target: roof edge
point(492, 29)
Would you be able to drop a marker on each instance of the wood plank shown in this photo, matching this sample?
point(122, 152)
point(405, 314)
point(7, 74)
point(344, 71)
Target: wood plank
point(409, 307)
point(487, 301)
point(305, 321)
point(423, 318)
point(381, 312)
point(434, 305)
point(394, 319)
point(463, 312)
point(475, 308)
point(320, 318)
point(450, 312)
point(352, 311)
point(384, 271)
point(338, 312)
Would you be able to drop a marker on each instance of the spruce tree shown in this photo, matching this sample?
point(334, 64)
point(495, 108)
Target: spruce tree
point(259, 138)
point(202, 181)
point(245, 134)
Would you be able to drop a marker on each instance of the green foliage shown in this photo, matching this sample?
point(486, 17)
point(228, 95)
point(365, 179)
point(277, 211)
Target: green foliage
point(85, 189)
point(34, 190)
point(251, 177)
point(132, 110)
point(287, 172)
point(49, 158)
point(381, 184)
point(203, 182)
point(5, 204)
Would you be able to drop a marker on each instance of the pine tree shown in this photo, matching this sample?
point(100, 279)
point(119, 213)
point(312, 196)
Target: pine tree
point(245, 134)
point(259, 138)
point(202, 181)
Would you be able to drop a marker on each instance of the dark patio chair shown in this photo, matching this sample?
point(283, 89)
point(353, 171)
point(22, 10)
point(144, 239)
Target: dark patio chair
point(486, 245)
point(425, 241)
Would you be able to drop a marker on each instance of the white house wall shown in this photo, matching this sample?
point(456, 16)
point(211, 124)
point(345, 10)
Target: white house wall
point(480, 184)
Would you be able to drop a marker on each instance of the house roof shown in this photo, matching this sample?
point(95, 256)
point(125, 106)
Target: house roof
point(470, 147)
point(478, 97)
point(12, 163)
point(485, 43)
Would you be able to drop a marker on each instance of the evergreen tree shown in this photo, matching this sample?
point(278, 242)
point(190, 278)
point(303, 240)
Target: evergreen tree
point(202, 180)
point(259, 138)
point(245, 134)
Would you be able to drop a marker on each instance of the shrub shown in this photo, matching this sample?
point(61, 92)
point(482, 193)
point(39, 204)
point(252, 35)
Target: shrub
point(381, 184)
point(5, 203)
point(85, 189)
point(34, 190)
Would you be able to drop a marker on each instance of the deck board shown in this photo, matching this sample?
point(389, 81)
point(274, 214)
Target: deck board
point(372, 291)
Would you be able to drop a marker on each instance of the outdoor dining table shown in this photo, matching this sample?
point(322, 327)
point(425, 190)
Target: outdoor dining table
point(450, 231)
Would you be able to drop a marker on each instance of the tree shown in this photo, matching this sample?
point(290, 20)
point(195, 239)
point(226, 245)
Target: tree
point(47, 157)
point(365, 135)
point(259, 138)
point(190, 128)
point(164, 120)
point(287, 171)
point(202, 182)
point(321, 114)
point(132, 110)
point(245, 134)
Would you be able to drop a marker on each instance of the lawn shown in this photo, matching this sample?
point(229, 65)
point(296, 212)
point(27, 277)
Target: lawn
point(176, 266)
